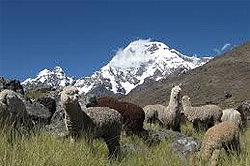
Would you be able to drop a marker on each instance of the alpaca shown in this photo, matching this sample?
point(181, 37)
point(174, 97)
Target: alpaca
point(244, 110)
point(223, 135)
point(169, 116)
point(232, 115)
point(133, 115)
point(202, 117)
point(153, 112)
point(92, 123)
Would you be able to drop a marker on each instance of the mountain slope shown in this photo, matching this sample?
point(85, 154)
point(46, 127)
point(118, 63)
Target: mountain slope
point(140, 62)
point(46, 78)
point(210, 83)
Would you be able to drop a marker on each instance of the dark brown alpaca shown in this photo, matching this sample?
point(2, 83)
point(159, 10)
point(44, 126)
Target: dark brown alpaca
point(133, 115)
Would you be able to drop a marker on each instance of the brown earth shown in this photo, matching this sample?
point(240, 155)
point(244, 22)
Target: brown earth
point(210, 83)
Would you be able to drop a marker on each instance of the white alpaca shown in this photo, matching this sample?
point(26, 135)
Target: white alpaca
point(153, 112)
point(201, 117)
point(231, 115)
point(167, 116)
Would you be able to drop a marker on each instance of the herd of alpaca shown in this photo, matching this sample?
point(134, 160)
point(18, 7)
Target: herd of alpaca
point(106, 117)
point(222, 125)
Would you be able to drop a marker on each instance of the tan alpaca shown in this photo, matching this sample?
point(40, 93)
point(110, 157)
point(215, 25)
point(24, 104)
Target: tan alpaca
point(92, 123)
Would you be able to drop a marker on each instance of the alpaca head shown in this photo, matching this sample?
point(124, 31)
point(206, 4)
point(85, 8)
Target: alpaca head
point(175, 93)
point(69, 95)
point(186, 100)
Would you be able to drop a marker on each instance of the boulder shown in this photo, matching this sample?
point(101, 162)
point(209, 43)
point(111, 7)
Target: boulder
point(13, 111)
point(131, 148)
point(57, 126)
point(181, 144)
point(49, 103)
point(38, 113)
point(14, 85)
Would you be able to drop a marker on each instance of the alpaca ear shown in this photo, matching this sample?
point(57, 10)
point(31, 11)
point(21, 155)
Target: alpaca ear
point(180, 84)
point(173, 85)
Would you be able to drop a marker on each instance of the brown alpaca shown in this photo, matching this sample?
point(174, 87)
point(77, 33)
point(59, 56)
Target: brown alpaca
point(133, 115)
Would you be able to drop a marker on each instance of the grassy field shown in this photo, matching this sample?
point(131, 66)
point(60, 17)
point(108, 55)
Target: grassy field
point(44, 150)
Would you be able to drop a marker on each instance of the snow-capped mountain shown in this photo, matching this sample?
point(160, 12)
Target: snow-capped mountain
point(130, 67)
point(46, 78)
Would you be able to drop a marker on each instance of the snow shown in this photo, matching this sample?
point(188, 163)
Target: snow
point(44, 72)
point(55, 78)
point(129, 68)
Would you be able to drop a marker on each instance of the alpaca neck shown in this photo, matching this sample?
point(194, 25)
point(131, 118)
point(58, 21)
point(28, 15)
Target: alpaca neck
point(186, 105)
point(173, 103)
point(77, 117)
point(74, 110)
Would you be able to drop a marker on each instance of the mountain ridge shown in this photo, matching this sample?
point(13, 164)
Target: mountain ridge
point(210, 83)
point(141, 60)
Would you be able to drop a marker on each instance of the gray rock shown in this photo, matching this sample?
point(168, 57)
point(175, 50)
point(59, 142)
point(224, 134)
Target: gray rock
point(185, 146)
point(57, 126)
point(13, 111)
point(131, 148)
point(39, 114)
point(181, 144)
point(14, 85)
point(49, 103)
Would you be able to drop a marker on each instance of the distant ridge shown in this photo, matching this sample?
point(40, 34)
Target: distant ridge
point(141, 61)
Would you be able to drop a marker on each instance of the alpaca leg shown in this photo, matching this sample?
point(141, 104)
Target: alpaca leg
point(213, 161)
point(72, 139)
point(128, 129)
point(113, 146)
point(235, 145)
point(196, 126)
point(177, 127)
point(159, 122)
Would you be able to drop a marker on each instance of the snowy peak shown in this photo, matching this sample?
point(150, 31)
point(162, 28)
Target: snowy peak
point(46, 78)
point(140, 60)
point(137, 53)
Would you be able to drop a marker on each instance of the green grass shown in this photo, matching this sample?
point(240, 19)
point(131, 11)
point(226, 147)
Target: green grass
point(44, 150)
point(37, 93)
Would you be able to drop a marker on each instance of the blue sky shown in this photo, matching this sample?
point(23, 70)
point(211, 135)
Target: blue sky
point(82, 36)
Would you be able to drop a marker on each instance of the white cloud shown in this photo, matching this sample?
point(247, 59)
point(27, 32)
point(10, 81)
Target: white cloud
point(131, 56)
point(226, 47)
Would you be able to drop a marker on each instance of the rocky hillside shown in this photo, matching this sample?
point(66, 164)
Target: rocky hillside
point(225, 80)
